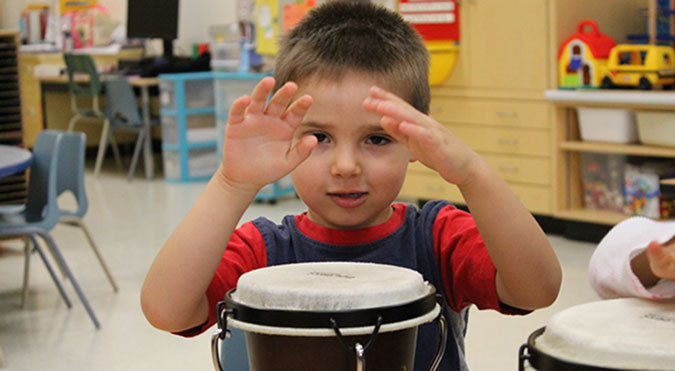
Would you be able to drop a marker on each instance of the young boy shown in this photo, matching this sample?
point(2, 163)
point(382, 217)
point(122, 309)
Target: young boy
point(347, 116)
point(635, 259)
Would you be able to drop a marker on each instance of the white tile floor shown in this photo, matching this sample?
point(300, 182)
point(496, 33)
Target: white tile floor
point(130, 221)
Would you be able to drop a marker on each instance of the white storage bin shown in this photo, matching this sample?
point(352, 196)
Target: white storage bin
point(656, 127)
point(226, 56)
point(200, 128)
point(201, 162)
point(198, 93)
point(607, 125)
point(227, 90)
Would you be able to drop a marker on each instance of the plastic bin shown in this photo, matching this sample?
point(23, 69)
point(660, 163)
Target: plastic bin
point(226, 56)
point(199, 128)
point(198, 90)
point(607, 125)
point(656, 127)
point(200, 164)
point(603, 177)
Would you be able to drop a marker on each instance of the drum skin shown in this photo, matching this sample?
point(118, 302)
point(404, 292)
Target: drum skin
point(542, 361)
point(391, 351)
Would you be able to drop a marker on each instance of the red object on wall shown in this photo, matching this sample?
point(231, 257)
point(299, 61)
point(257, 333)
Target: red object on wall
point(433, 19)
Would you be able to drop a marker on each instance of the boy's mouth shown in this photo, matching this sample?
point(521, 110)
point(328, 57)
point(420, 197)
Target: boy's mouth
point(347, 194)
point(348, 199)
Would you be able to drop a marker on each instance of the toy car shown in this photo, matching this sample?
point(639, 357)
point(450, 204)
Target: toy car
point(641, 66)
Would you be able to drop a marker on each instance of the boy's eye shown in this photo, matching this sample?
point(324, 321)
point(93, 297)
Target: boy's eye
point(320, 137)
point(378, 140)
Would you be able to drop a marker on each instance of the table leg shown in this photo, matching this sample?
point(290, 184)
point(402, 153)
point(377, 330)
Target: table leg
point(147, 145)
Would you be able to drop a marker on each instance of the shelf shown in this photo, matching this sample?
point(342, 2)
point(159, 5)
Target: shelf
point(623, 98)
point(592, 216)
point(188, 111)
point(628, 149)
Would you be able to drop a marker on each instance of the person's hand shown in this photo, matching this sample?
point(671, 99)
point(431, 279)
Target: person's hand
point(429, 142)
point(662, 259)
point(258, 147)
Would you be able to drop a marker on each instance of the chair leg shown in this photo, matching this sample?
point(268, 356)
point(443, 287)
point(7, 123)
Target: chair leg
point(57, 253)
point(71, 123)
point(27, 250)
point(137, 152)
point(42, 254)
point(116, 151)
point(84, 228)
point(103, 144)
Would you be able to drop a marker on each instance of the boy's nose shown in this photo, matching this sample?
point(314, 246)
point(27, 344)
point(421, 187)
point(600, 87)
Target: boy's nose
point(346, 162)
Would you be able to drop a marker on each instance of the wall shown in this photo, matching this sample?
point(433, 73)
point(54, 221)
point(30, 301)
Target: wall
point(194, 19)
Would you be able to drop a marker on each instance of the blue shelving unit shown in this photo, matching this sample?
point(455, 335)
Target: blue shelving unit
point(189, 136)
point(228, 87)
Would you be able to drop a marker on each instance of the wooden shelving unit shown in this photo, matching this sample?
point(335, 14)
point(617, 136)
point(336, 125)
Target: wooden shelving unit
point(13, 189)
point(570, 203)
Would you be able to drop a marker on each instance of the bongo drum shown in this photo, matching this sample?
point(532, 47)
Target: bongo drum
point(330, 316)
point(619, 334)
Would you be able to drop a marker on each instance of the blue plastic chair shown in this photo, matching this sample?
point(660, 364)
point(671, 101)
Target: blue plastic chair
point(42, 213)
point(122, 113)
point(70, 178)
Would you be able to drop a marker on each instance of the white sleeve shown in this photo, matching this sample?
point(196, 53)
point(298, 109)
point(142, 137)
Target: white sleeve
point(610, 273)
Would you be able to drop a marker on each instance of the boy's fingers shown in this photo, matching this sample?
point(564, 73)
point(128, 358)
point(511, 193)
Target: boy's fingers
point(238, 110)
point(397, 109)
point(297, 111)
point(281, 99)
point(391, 126)
point(302, 149)
point(260, 94)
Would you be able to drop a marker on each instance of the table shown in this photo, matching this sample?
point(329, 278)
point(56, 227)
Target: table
point(143, 84)
point(13, 159)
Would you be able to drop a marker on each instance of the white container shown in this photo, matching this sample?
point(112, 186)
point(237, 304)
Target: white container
point(200, 128)
point(607, 125)
point(198, 93)
point(656, 127)
point(201, 162)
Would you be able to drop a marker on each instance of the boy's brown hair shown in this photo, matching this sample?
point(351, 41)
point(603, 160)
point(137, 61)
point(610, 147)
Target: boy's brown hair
point(356, 36)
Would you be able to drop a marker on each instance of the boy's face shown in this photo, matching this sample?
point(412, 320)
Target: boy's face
point(356, 171)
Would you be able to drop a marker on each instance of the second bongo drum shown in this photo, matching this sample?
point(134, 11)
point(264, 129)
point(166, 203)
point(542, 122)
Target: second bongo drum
point(619, 334)
point(331, 316)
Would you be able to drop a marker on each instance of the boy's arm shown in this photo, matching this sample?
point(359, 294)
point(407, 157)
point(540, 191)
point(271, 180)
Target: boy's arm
point(258, 150)
point(528, 272)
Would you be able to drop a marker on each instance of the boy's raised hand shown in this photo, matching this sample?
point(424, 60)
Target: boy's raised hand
point(429, 142)
point(662, 259)
point(258, 147)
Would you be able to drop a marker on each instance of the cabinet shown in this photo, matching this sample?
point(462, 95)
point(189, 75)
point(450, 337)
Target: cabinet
point(13, 188)
point(494, 99)
point(189, 146)
point(571, 198)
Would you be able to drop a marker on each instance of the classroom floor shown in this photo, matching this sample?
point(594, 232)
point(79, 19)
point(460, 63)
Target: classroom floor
point(130, 221)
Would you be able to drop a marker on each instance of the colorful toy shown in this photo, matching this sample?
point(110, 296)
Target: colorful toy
point(642, 191)
point(642, 66)
point(582, 58)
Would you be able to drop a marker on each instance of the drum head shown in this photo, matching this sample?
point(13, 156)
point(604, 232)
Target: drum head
point(621, 334)
point(302, 299)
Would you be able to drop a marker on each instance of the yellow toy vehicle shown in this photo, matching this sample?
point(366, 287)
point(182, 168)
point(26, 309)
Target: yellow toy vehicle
point(641, 66)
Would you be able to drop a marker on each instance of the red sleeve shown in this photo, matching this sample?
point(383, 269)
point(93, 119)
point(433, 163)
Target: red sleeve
point(467, 270)
point(245, 252)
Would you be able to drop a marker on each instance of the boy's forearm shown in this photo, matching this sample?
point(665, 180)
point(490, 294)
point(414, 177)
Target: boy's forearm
point(528, 272)
point(174, 290)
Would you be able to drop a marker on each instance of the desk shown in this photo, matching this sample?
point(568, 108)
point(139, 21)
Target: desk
point(13, 160)
point(143, 84)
